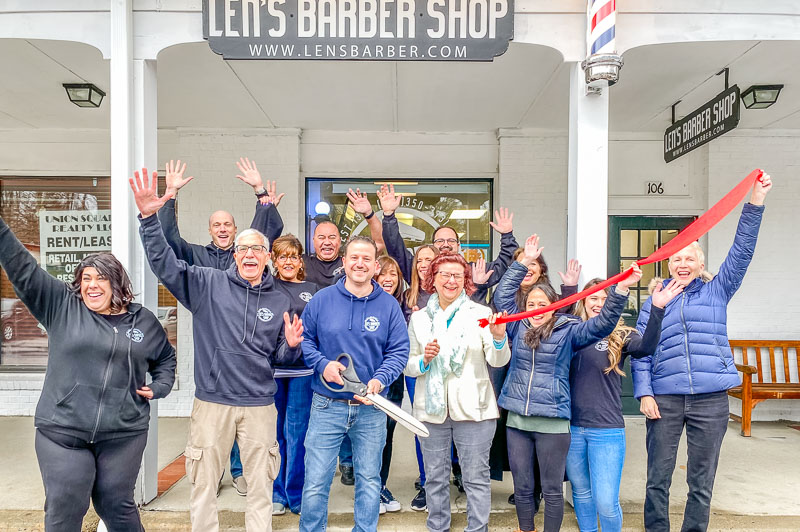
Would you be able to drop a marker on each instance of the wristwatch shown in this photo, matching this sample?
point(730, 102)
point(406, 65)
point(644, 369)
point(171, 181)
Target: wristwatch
point(261, 192)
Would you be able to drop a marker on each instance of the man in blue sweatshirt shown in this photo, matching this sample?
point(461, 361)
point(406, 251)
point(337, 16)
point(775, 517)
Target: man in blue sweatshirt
point(354, 316)
point(233, 361)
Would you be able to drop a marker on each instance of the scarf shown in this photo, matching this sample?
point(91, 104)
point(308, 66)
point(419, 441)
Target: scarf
point(452, 350)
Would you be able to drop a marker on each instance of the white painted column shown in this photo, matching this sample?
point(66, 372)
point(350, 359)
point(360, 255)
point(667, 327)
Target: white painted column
point(133, 145)
point(587, 224)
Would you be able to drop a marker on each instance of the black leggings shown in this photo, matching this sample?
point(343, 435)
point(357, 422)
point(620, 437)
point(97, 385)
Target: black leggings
point(551, 451)
point(73, 471)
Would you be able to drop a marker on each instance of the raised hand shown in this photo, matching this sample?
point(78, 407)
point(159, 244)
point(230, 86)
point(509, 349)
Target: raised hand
point(146, 193)
point(249, 173)
point(431, 350)
point(498, 330)
point(531, 251)
point(359, 201)
point(631, 279)
point(272, 195)
point(573, 273)
point(173, 176)
point(760, 189)
point(292, 330)
point(389, 200)
point(504, 222)
point(664, 294)
point(479, 273)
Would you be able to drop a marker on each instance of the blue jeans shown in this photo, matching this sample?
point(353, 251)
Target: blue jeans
point(411, 385)
point(594, 468)
point(236, 461)
point(330, 421)
point(346, 452)
point(293, 401)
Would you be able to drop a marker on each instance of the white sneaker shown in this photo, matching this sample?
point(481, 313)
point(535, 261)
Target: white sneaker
point(278, 508)
point(241, 485)
point(389, 502)
point(382, 509)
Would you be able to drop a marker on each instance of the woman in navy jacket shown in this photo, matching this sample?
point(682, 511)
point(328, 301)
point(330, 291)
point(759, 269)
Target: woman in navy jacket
point(536, 391)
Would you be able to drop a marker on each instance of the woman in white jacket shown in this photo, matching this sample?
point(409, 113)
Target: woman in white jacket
point(454, 399)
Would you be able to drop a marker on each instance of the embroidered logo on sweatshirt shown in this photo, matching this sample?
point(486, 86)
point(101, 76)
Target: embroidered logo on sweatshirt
point(602, 345)
point(265, 314)
point(135, 335)
point(372, 323)
point(305, 296)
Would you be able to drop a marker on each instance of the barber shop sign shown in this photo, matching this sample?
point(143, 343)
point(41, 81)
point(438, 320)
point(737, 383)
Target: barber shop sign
point(382, 30)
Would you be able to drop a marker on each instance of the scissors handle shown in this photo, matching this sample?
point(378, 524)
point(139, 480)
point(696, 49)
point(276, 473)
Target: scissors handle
point(351, 381)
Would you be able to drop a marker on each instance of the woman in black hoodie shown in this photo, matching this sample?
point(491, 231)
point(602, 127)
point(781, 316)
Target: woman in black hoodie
point(93, 414)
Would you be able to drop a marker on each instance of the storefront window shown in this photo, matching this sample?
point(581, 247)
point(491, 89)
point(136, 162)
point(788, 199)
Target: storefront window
point(465, 205)
point(60, 221)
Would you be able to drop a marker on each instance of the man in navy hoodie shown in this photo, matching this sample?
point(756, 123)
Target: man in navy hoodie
point(354, 316)
point(233, 361)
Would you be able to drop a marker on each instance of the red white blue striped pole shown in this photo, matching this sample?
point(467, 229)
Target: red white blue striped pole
point(602, 63)
point(602, 27)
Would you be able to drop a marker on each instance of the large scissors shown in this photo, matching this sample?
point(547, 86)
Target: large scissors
point(354, 385)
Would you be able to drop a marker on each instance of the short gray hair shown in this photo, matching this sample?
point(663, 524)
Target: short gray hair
point(248, 232)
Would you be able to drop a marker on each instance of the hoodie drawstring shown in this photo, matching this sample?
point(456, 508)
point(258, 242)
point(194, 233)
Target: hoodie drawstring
point(244, 325)
point(255, 320)
point(364, 315)
point(350, 325)
point(130, 344)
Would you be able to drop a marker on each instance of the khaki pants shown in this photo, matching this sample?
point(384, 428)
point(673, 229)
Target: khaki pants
point(212, 429)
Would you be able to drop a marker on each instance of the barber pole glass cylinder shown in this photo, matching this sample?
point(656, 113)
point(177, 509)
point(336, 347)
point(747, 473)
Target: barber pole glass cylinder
point(602, 62)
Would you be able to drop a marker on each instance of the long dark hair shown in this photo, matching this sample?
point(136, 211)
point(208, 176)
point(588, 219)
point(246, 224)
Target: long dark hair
point(386, 261)
point(521, 296)
point(109, 267)
point(534, 336)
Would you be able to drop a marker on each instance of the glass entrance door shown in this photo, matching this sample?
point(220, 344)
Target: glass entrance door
point(631, 238)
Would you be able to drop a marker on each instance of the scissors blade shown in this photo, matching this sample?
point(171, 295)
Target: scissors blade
point(400, 415)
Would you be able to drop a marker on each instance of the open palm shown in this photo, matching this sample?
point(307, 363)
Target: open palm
point(146, 193)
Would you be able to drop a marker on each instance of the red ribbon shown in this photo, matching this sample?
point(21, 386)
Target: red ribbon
point(690, 234)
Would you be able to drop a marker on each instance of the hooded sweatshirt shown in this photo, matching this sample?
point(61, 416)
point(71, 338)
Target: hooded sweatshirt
point(370, 329)
point(238, 328)
point(299, 295)
point(265, 220)
point(94, 368)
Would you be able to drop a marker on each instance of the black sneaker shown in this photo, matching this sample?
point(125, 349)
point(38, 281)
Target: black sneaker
point(418, 484)
point(511, 499)
point(348, 479)
point(419, 503)
point(458, 482)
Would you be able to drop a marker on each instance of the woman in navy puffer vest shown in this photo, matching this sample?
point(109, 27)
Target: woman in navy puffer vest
point(536, 391)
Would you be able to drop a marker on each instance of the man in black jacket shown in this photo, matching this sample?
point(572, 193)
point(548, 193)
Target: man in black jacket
point(221, 225)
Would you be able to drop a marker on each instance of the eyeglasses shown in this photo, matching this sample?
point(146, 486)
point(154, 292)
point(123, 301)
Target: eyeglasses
point(440, 241)
point(445, 276)
point(290, 258)
point(257, 248)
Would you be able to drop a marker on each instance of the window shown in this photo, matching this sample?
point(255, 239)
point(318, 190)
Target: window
point(465, 205)
point(60, 221)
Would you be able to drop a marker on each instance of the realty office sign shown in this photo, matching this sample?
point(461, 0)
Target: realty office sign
point(389, 30)
point(714, 119)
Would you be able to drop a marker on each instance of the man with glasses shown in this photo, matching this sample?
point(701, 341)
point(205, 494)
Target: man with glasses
point(219, 253)
point(446, 240)
point(233, 362)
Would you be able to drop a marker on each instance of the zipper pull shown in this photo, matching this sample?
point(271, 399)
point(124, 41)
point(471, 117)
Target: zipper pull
point(115, 330)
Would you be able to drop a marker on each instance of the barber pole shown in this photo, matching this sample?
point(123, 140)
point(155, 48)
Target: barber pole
point(602, 63)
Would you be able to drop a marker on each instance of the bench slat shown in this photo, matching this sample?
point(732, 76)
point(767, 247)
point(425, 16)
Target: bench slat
point(787, 377)
point(772, 371)
point(759, 365)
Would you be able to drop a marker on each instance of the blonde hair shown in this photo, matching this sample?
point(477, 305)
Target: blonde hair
point(617, 338)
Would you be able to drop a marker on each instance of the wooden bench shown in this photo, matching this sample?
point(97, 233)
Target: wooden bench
point(753, 391)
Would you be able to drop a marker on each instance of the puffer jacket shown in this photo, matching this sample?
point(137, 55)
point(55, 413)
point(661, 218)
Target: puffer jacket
point(693, 355)
point(537, 383)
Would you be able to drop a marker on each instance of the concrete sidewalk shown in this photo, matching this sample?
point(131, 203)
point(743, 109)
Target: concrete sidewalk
point(757, 485)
